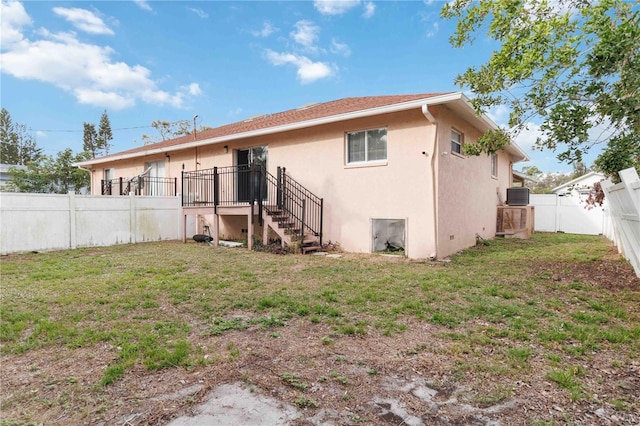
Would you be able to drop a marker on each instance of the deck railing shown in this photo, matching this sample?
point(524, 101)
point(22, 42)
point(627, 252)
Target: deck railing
point(140, 185)
point(254, 186)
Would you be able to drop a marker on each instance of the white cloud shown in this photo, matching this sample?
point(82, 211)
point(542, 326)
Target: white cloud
point(87, 71)
point(83, 20)
point(143, 4)
point(435, 27)
point(266, 31)
point(528, 136)
point(234, 112)
point(340, 48)
point(194, 89)
point(306, 34)
point(334, 7)
point(308, 71)
point(430, 21)
point(499, 114)
point(369, 10)
point(201, 13)
point(14, 18)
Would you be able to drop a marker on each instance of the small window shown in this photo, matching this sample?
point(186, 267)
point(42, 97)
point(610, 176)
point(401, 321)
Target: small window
point(367, 145)
point(456, 142)
point(494, 165)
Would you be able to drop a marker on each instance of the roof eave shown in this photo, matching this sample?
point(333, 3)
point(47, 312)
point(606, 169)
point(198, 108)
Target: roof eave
point(403, 106)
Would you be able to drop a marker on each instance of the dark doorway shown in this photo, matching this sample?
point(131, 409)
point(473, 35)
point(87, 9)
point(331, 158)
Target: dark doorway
point(245, 158)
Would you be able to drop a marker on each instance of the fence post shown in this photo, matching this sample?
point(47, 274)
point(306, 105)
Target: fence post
point(120, 184)
point(284, 188)
point(321, 215)
point(304, 212)
point(279, 188)
point(73, 238)
point(175, 186)
point(183, 191)
point(132, 219)
point(216, 190)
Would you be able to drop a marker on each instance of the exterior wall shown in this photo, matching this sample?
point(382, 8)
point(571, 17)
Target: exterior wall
point(315, 157)
point(467, 194)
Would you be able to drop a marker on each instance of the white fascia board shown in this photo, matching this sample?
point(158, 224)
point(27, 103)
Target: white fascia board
point(418, 103)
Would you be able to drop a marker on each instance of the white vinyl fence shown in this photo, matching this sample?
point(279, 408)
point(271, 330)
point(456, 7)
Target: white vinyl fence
point(624, 199)
point(40, 222)
point(566, 213)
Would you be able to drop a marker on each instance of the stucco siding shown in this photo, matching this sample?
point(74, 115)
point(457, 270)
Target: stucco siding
point(467, 191)
point(401, 188)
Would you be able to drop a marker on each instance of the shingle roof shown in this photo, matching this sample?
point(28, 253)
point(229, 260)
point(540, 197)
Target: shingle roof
point(302, 114)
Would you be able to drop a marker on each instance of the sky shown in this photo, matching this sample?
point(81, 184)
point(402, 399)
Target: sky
point(64, 63)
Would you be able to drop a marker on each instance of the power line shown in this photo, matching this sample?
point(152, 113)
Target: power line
point(80, 131)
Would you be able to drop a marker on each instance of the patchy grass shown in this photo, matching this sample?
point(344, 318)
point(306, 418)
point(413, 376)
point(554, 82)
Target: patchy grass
point(521, 301)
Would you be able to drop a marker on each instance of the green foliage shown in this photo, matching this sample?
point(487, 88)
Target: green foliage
point(293, 380)
point(49, 175)
point(167, 130)
point(17, 144)
point(574, 64)
point(104, 133)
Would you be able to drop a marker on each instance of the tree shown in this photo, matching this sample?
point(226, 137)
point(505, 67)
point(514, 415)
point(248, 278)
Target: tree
point(573, 64)
point(90, 142)
point(104, 133)
point(168, 130)
point(17, 144)
point(544, 182)
point(51, 175)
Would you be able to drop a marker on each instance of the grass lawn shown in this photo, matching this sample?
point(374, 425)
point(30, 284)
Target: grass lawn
point(551, 309)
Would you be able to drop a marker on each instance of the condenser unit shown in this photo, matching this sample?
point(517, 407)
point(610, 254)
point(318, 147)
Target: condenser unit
point(518, 196)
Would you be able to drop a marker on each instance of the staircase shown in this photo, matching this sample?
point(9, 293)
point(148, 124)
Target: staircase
point(296, 216)
point(292, 211)
point(285, 226)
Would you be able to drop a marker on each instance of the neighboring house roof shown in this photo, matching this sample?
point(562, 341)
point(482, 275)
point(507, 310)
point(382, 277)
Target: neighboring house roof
point(588, 178)
point(314, 115)
point(525, 176)
point(4, 168)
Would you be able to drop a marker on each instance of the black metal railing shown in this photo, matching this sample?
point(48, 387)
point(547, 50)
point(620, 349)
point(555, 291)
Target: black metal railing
point(253, 185)
point(302, 205)
point(140, 185)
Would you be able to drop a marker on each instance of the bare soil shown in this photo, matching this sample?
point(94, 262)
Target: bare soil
point(407, 378)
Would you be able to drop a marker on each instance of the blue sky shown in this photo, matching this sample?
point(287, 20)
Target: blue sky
point(64, 63)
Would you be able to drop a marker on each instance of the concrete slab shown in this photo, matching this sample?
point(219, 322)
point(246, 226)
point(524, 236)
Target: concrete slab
point(234, 404)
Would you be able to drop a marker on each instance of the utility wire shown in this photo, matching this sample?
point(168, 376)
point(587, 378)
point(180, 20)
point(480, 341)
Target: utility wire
point(79, 131)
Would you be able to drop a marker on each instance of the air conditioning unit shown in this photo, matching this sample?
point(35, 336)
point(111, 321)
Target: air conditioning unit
point(518, 196)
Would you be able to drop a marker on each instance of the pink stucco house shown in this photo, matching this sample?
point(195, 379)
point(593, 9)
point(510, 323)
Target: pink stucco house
point(368, 173)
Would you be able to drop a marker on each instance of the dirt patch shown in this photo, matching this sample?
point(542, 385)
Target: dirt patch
point(347, 380)
point(306, 373)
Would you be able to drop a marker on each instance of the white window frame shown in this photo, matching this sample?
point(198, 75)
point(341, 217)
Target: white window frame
point(366, 161)
point(459, 142)
point(494, 164)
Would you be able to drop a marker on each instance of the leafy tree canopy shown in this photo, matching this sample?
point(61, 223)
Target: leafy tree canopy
point(51, 175)
point(17, 144)
point(167, 130)
point(574, 64)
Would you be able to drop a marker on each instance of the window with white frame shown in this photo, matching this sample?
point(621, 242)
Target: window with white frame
point(494, 165)
point(367, 146)
point(456, 142)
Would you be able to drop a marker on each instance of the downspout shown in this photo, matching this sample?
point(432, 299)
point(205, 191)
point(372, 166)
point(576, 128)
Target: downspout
point(90, 177)
point(432, 120)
